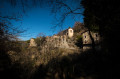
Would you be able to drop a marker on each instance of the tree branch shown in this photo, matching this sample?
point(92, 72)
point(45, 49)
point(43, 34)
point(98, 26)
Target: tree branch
point(10, 18)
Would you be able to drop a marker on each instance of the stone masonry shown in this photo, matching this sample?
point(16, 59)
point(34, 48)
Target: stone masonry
point(87, 40)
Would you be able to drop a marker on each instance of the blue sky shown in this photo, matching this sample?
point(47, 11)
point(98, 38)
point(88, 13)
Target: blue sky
point(39, 20)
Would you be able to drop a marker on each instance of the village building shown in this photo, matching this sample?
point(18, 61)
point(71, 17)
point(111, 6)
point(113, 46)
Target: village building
point(70, 32)
point(87, 42)
point(63, 40)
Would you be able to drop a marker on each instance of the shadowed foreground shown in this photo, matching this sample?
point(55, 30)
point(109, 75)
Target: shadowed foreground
point(88, 65)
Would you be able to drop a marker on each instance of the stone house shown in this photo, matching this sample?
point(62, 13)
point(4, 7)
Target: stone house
point(63, 40)
point(87, 42)
point(68, 32)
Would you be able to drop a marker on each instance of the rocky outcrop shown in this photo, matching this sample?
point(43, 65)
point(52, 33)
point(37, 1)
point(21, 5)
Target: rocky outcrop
point(32, 42)
point(60, 42)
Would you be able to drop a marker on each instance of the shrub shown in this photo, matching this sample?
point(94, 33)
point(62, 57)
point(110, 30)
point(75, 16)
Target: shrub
point(79, 41)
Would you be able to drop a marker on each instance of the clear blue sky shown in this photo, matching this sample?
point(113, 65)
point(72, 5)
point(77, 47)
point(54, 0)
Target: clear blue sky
point(39, 20)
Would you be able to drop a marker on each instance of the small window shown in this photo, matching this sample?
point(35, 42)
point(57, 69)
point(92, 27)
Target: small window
point(67, 33)
point(71, 31)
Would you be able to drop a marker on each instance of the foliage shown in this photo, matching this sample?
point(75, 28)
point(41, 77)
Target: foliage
point(28, 41)
point(87, 65)
point(78, 27)
point(94, 28)
point(79, 41)
point(102, 14)
point(40, 41)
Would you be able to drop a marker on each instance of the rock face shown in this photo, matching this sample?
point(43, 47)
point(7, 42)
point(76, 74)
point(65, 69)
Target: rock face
point(60, 42)
point(32, 42)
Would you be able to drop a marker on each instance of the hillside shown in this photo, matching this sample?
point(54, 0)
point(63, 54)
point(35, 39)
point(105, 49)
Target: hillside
point(56, 57)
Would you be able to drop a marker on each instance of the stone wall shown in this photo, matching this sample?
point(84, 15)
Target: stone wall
point(60, 42)
point(87, 42)
point(86, 38)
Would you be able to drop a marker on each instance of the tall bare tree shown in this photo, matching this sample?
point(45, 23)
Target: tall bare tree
point(65, 8)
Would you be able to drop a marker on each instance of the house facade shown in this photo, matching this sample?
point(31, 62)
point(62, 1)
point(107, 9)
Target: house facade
point(87, 42)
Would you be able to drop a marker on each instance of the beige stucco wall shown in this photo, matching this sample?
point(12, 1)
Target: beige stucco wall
point(87, 40)
point(96, 37)
point(70, 32)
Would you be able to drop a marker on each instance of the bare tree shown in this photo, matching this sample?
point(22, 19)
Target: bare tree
point(78, 27)
point(62, 9)
point(65, 8)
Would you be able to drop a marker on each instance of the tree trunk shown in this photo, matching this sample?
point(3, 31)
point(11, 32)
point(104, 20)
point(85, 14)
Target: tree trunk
point(92, 39)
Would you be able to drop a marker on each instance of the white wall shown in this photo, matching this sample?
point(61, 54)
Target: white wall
point(70, 32)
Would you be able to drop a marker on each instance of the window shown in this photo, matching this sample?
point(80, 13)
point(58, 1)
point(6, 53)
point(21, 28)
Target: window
point(70, 31)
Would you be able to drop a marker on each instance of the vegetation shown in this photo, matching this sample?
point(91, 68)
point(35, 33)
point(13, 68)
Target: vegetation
point(19, 61)
point(40, 41)
point(79, 42)
point(103, 16)
point(78, 27)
